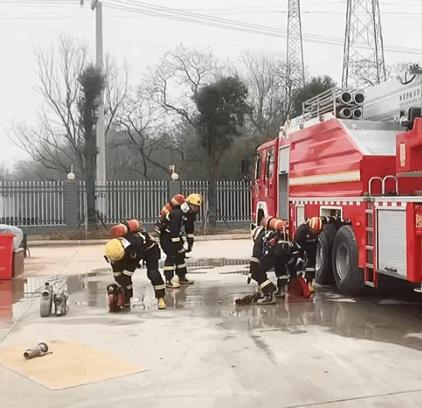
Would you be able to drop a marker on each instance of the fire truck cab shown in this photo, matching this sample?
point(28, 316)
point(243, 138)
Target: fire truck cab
point(364, 173)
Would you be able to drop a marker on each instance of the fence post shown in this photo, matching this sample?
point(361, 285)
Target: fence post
point(175, 187)
point(71, 202)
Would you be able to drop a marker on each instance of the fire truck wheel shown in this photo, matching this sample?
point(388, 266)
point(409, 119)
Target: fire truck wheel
point(323, 270)
point(347, 275)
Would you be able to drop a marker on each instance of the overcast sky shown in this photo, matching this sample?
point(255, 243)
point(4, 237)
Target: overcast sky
point(141, 40)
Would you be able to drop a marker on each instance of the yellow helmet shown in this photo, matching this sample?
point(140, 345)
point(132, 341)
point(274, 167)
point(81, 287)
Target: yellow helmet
point(194, 199)
point(114, 250)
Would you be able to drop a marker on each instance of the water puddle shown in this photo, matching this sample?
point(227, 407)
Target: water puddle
point(392, 320)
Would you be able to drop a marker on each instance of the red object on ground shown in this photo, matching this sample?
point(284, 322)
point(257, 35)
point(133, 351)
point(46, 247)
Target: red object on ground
point(6, 256)
point(299, 287)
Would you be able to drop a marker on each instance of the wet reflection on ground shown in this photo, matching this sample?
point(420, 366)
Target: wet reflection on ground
point(394, 319)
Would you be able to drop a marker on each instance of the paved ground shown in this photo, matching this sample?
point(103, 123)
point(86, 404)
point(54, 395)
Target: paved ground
point(329, 351)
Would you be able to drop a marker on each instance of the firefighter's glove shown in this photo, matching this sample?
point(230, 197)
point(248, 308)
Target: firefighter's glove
point(190, 243)
point(299, 261)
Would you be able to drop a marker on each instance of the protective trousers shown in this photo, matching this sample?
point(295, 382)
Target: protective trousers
point(152, 257)
point(310, 249)
point(258, 271)
point(284, 270)
point(175, 257)
point(124, 280)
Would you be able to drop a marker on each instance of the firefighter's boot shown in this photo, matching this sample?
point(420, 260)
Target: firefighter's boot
point(172, 283)
point(268, 299)
point(183, 280)
point(161, 304)
point(268, 290)
point(281, 288)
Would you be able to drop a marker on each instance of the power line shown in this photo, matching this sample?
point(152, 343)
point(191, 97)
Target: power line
point(234, 25)
point(147, 9)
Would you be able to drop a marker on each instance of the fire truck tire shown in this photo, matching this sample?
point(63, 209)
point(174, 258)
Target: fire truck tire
point(323, 270)
point(347, 275)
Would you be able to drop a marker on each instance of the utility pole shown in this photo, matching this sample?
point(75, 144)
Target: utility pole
point(363, 61)
point(295, 68)
point(100, 128)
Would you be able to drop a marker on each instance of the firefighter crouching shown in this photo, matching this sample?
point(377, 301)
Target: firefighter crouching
point(181, 217)
point(306, 236)
point(125, 253)
point(272, 248)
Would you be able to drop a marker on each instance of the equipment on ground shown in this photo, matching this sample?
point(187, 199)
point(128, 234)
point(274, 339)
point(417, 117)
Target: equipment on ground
point(46, 300)
point(54, 292)
point(115, 298)
point(40, 350)
point(248, 299)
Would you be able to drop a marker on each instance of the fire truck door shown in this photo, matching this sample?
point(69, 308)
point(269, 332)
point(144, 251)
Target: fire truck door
point(283, 183)
point(258, 175)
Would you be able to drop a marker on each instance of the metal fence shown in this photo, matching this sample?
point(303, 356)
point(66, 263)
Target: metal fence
point(120, 200)
point(233, 199)
point(41, 203)
point(28, 203)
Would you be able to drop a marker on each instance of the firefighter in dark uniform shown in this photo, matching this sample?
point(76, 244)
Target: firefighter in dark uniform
point(306, 237)
point(126, 253)
point(180, 219)
point(271, 249)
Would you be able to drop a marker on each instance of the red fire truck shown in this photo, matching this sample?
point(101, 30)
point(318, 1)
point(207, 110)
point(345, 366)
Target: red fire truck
point(357, 157)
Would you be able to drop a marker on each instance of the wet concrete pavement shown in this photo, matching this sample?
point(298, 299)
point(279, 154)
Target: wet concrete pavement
point(329, 351)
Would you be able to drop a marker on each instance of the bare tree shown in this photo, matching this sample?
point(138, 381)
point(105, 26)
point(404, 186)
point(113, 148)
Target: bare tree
point(178, 78)
point(266, 81)
point(140, 125)
point(57, 141)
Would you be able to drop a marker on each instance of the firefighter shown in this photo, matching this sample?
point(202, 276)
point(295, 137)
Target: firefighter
point(125, 254)
point(178, 219)
point(306, 237)
point(271, 248)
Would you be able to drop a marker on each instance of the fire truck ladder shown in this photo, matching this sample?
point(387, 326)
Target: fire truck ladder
point(370, 272)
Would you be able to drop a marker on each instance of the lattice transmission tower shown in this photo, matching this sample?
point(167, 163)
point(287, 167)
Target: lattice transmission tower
point(295, 68)
point(363, 62)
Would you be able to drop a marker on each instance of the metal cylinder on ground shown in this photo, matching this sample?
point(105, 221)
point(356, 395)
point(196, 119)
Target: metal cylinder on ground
point(37, 351)
point(46, 300)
